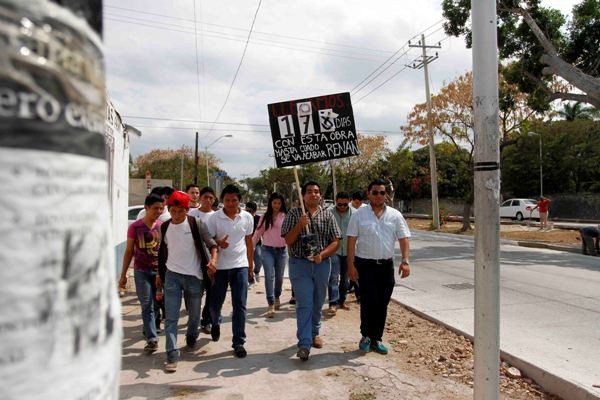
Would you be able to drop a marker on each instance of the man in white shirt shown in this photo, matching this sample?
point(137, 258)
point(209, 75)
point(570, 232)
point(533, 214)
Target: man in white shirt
point(181, 260)
point(207, 198)
point(372, 234)
point(232, 229)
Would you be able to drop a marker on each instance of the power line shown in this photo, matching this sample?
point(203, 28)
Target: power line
point(197, 64)
point(255, 32)
point(383, 83)
point(257, 41)
point(386, 61)
point(190, 120)
point(238, 68)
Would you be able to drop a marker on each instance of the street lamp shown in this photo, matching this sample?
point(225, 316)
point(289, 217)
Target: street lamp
point(206, 151)
point(541, 163)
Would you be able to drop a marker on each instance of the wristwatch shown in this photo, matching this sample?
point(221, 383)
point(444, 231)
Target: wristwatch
point(405, 262)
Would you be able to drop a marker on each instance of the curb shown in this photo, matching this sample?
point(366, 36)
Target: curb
point(548, 381)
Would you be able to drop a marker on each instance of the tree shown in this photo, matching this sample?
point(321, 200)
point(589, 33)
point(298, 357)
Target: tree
point(571, 160)
point(166, 164)
point(532, 35)
point(355, 173)
point(571, 112)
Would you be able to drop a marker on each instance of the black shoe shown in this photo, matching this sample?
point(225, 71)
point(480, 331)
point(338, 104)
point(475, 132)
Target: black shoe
point(205, 328)
point(151, 347)
point(190, 341)
point(293, 300)
point(240, 351)
point(215, 332)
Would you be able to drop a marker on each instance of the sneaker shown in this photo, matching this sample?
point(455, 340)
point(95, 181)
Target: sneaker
point(251, 284)
point(151, 347)
point(271, 312)
point(344, 306)
point(317, 342)
point(257, 278)
point(215, 332)
point(205, 328)
point(332, 310)
point(277, 304)
point(190, 341)
point(303, 353)
point(364, 345)
point(171, 366)
point(240, 351)
point(293, 300)
point(379, 347)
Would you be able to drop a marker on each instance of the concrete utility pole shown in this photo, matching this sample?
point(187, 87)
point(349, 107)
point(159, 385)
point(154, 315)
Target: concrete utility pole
point(196, 162)
point(487, 200)
point(422, 63)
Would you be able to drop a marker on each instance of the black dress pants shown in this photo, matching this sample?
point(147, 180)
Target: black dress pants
point(377, 282)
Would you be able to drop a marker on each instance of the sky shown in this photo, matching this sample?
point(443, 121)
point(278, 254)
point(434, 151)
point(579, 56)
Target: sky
point(187, 66)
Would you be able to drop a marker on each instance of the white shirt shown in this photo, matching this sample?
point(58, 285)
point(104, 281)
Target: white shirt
point(196, 213)
point(183, 257)
point(220, 225)
point(354, 209)
point(164, 217)
point(376, 237)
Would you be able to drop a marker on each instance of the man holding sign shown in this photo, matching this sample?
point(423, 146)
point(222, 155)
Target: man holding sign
point(312, 238)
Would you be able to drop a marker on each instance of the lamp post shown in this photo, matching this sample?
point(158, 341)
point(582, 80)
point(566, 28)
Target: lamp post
point(541, 162)
point(206, 155)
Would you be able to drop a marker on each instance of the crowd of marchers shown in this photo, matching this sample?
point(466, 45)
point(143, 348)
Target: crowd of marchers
point(184, 247)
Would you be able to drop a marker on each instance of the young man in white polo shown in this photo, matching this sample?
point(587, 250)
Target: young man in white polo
point(232, 229)
point(372, 235)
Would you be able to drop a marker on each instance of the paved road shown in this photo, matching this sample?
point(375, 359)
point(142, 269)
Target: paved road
point(550, 302)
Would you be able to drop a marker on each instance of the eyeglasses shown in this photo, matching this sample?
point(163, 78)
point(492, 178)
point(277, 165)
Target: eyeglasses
point(342, 204)
point(378, 192)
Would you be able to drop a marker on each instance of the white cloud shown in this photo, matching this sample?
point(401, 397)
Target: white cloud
point(153, 72)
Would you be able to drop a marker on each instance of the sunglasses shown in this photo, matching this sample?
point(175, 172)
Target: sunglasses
point(342, 204)
point(378, 192)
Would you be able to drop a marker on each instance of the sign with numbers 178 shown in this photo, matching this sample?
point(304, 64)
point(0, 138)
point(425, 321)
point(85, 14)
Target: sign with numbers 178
point(314, 129)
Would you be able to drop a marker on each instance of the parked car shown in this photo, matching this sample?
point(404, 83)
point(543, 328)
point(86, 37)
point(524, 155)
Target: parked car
point(519, 209)
point(328, 203)
point(133, 212)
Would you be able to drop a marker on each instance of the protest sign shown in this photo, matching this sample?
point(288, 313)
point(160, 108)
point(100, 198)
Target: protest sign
point(313, 129)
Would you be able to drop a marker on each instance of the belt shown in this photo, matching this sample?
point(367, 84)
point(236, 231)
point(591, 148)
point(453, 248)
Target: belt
point(273, 248)
point(379, 261)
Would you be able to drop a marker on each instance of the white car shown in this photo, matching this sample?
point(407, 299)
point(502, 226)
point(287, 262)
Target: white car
point(519, 209)
point(133, 212)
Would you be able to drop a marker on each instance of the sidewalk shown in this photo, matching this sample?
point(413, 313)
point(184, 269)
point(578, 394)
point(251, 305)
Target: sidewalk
point(271, 370)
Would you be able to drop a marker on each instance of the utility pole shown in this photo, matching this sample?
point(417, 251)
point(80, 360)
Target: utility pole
point(196, 162)
point(422, 63)
point(487, 200)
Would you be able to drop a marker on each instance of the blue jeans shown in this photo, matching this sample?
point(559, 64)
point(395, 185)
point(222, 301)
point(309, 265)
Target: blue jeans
point(309, 281)
point(339, 263)
point(257, 259)
point(333, 288)
point(192, 288)
point(237, 279)
point(273, 259)
point(145, 288)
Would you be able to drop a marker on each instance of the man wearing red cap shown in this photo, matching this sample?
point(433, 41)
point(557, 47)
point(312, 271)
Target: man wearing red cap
point(181, 261)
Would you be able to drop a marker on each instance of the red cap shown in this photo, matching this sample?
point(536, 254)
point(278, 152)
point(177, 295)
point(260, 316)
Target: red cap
point(179, 199)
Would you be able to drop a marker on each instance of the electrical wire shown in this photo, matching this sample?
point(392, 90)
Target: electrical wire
point(255, 32)
point(197, 64)
point(237, 70)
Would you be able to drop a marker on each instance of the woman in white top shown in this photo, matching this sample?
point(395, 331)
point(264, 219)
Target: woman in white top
point(274, 254)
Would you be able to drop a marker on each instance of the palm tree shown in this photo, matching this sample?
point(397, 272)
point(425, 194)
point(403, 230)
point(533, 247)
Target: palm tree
point(571, 112)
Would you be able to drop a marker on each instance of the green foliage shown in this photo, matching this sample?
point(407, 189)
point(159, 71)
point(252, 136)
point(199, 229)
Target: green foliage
point(571, 160)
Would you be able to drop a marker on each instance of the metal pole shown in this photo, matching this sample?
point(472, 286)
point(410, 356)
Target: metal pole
point(435, 208)
point(196, 161)
point(541, 172)
point(206, 156)
point(487, 200)
point(181, 171)
point(333, 178)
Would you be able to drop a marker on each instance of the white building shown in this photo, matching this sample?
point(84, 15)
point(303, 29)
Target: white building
point(116, 135)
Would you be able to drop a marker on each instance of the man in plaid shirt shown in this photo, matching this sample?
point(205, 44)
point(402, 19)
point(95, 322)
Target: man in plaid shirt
point(312, 238)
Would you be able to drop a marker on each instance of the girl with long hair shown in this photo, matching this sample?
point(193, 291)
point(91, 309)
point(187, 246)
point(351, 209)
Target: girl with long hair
point(274, 254)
